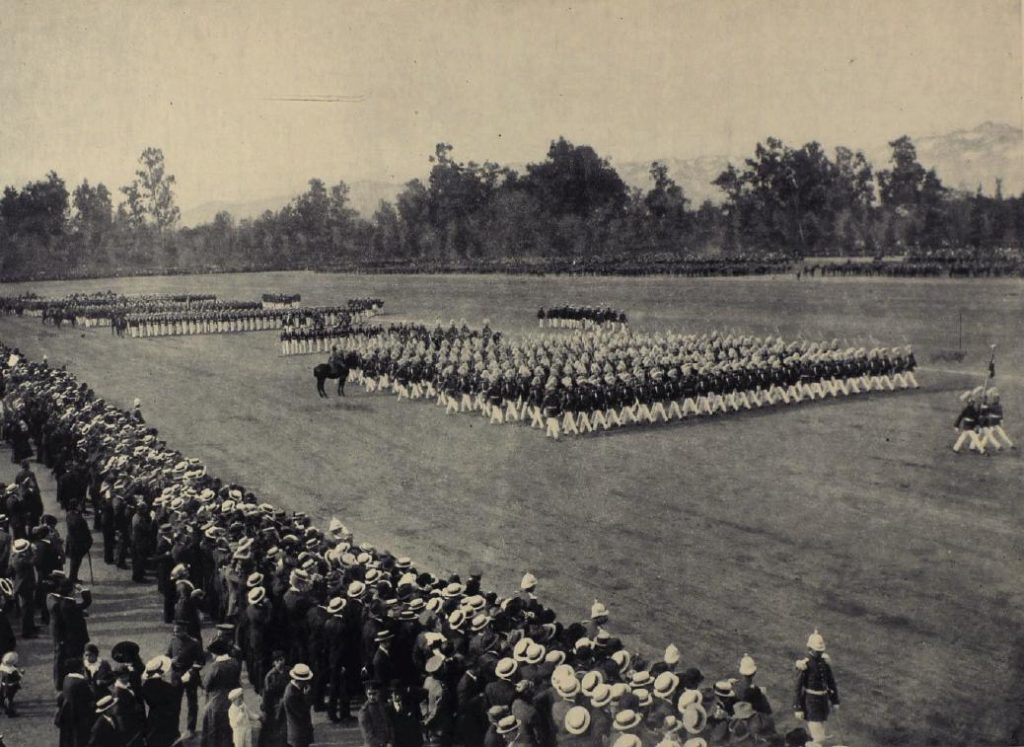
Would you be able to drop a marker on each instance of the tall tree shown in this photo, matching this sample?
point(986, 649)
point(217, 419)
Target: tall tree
point(149, 199)
point(575, 180)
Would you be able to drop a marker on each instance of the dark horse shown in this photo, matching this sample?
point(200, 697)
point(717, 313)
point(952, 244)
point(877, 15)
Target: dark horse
point(339, 371)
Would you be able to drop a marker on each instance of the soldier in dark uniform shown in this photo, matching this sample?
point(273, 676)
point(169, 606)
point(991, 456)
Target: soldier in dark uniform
point(967, 424)
point(816, 692)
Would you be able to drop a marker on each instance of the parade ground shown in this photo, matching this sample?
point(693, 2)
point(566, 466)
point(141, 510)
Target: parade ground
point(735, 534)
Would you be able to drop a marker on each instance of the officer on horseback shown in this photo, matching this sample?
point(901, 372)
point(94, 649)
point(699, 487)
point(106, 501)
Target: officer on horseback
point(336, 362)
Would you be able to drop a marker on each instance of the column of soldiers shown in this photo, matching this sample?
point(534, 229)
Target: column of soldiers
point(581, 317)
point(318, 621)
point(595, 380)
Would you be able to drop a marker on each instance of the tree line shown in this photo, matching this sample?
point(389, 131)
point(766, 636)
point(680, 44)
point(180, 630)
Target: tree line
point(571, 207)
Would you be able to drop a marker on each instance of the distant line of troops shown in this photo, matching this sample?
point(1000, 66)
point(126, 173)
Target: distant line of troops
point(580, 317)
point(440, 660)
point(218, 322)
point(316, 334)
point(597, 379)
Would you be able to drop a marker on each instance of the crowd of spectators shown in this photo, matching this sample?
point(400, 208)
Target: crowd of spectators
point(320, 621)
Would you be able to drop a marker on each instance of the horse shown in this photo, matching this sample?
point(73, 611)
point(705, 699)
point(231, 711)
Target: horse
point(325, 371)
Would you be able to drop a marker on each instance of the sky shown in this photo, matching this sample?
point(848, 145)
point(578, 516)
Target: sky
point(249, 100)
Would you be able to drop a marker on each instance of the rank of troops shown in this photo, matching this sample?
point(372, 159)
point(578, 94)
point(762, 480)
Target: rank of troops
point(581, 317)
point(197, 322)
point(594, 380)
point(318, 333)
point(318, 621)
point(280, 300)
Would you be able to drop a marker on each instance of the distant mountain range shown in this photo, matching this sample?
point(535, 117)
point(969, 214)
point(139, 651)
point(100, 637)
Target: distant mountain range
point(963, 159)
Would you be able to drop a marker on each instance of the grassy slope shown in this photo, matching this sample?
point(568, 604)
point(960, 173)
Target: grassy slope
point(728, 536)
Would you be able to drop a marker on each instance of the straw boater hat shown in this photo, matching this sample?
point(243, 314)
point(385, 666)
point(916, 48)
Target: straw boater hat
point(506, 668)
point(507, 725)
point(627, 719)
point(577, 720)
point(301, 673)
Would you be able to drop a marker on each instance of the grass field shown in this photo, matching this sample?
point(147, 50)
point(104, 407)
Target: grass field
point(732, 535)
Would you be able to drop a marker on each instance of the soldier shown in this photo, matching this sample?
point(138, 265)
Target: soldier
point(992, 422)
point(967, 424)
point(816, 693)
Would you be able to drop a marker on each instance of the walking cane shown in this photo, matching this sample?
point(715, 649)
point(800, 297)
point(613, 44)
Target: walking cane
point(92, 579)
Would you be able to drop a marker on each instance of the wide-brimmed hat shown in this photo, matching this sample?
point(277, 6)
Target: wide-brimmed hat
point(601, 696)
point(577, 720)
point(506, 668)
point(158, 665)
point(256, 595)
point(301, 672)
point(627, 719)
point(336, 605)
point(742, 710)
point(479, 623)
point(665, 684)
point(105, 703)
point(507, 725)
point(695, 718)
point(434, 663)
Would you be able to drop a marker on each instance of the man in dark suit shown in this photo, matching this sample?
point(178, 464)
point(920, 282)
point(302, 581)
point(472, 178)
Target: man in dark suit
point(274, 686)
point(69, 629)
point(299, 720)
point(104, 732)
point(47, 558)
point(186, 654)
point(25, 585)
point(163, 699)
point(223, 675)
point(128, 711)
point(77, 542)
point(6, 539)
point(75, 706)
point(374, 722)
point(383, 667)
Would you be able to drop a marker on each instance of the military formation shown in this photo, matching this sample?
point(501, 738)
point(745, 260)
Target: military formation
point(318, 621)
point(597, 379)
point(280, 300)
point(164, 315)
point(317, 333)
point(581, 317)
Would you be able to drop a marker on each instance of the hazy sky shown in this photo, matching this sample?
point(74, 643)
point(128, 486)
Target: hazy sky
point(84, 87)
